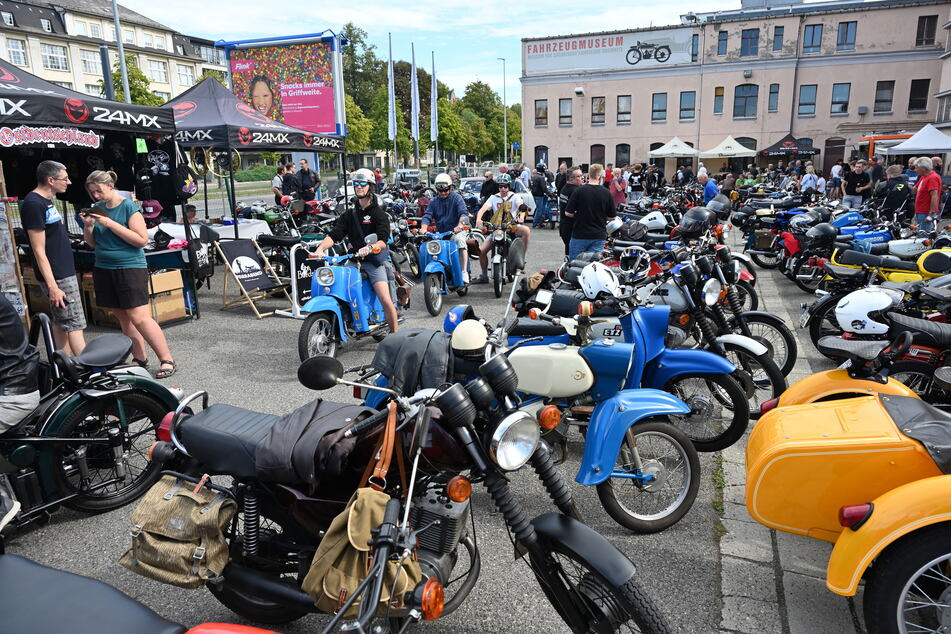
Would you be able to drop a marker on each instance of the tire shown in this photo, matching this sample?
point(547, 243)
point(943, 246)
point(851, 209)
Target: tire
point(662, 54)
point(431, 287)
point(919, 377)
point(318, 336)
point(617, 604)
point(412, 261)
point(719, 409)
point(806, 277)
point(143, 412)
point(760, 377)
point(749, 298)
point(822, 323)
point(772, 332)
point(633, 56)
point(915, 566)
point(498, 280)
point(679, 455)
point(766, 261)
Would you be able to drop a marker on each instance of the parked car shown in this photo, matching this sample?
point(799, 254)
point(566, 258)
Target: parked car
point(473, 185)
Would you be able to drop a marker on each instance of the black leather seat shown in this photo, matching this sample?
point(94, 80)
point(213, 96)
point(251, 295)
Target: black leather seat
point(854, 258)
point(837, 347)
point(525, 327)
point(843, 272)
point(925, 332)
point(225, 438)
point(105, 351)
point(918, 419)
point(657, 237)
point(937, 293)
point(268, 240)
point(572, 274)
point(40, 600)
point(937, 263)
point(904, 287)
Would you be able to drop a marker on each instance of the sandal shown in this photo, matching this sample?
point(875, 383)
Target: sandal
point(164, 373)
point(142, 363)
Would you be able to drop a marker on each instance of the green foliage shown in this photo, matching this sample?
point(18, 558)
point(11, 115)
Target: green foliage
point(378, 120)
point(363, 71)
point(215, 74)
point(256, 173)
point(358, 128)
point(482, 100)
point(138, 84)
point(453, 136)
point(480, 141)
point(270, 158)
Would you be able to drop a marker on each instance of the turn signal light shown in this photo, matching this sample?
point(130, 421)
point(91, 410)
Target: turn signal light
point(854, 515)
point(766, 406)
point(549, 417)
point(533, 313)
point(684, 319)
point(459, 489)
point(585, 309)
point(164, 430)
point(927, 243)
point(434, 597)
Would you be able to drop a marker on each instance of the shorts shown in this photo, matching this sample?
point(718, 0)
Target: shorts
point(374, 272)
point(835, 183)
point(71, 318)
point(121, 288)
point(16, 407)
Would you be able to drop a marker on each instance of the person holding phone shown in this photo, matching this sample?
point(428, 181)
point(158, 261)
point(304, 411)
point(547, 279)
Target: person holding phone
point(115, 228)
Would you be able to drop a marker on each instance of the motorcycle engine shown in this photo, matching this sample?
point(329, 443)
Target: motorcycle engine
point(444, 524)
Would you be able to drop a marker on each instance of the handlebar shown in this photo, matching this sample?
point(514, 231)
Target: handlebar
point(367, 423)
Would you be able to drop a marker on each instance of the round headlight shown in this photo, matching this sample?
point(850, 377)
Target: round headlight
point(433, 247)
point(711, 291)
point(325, 276)
point(402, 224)
point(498, 234)
point(514, 440)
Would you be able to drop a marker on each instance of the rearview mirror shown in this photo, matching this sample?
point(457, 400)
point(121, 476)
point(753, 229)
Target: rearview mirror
point(370, 239)
point(319, 373)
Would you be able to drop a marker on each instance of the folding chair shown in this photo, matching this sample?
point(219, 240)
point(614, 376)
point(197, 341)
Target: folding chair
point(252, 273)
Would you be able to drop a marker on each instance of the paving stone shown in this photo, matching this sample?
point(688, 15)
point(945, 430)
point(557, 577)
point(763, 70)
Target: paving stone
point(740, 578)
point(735, 453)
point(734, 473)
point(750, 616)
point(812, 609)
point(803, 555)
point(746, 540)
point(735, 494)
point(734, 511)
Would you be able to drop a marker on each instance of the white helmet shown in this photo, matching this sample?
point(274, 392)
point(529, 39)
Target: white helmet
point(469, 339)
point(859, 312)
point(363, 174)
point(443, 179)
point(596, 278)
point(614, 224)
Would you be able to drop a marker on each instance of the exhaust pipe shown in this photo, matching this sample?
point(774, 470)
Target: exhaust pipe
point(254, 582)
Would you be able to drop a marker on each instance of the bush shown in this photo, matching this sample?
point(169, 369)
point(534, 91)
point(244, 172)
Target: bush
point(257, 173)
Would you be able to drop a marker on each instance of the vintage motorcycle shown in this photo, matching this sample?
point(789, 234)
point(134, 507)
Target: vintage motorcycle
point(507, 255)
point(647, 51)
point(441, 270)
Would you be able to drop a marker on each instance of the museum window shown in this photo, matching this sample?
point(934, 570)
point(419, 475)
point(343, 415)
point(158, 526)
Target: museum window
point(778, 32)
point(164, 96)
point(721, 42)
point(749, 42)
point(63, 84)
point(845, 40)
point(918, 96)
point(688, 105)
point(160, 42)
point(884, 95)
point(564, 112)
point(926, 30)
point(541, 112)
point(807, 100)
point(597, 153)
point(659, 106)
point(772, 105)
point(624, 109)
point(744, 101)
point(16, 51)
point(747, 142)
point(147, 40)
point(80, 27)
point(622, 154)
point(128, 36)
point(840, 98)
point(812, 38)
point(944, 109)
point(718, 100)
point(91, 62)
point(54, 57)
point(597, 111)
point(93, 89)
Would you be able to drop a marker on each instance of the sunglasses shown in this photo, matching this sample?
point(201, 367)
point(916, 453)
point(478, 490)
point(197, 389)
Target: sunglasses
point(442, 188)
point(361, 183)
point(501, 186)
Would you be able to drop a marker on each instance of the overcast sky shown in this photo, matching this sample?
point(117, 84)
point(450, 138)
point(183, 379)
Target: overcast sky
point(466, 37)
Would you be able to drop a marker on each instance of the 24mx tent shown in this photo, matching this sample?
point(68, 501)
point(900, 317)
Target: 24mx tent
point(928, 140)
point(789, 146)
point(675, 148)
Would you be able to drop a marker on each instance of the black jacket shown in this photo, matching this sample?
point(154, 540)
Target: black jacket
point(489, 188)
point(19, 360)
point(357, 223)
point(414, 358)
point(539, 184)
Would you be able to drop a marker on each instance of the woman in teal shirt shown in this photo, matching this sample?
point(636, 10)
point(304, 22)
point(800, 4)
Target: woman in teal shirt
point(120, 278)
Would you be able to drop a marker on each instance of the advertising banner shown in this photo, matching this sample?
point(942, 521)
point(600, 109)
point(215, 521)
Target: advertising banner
point(293, 83)
point(615, 51)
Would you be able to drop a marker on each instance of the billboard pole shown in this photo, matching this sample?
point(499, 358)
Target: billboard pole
point(122, 69)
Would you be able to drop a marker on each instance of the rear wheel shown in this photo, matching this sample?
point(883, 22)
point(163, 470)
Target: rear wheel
point(318, 336)
point(773, 333)
point(664, 452)
point(918, 376)
point(719, 410)
point(759, 376)
point(749, 298)
point(431, 293)
point(822, 323)
point(766, 261)
point(807, 276)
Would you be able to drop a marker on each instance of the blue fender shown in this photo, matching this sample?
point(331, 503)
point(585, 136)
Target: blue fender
point(435, 267)
point(327, 303)
point(609, 423)
point(676, 361)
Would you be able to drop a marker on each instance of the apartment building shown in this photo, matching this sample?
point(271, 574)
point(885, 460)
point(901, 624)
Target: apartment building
point(830, 73)
point(59, 41)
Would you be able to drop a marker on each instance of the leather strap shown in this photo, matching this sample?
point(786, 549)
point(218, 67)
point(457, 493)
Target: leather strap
point(384, 452)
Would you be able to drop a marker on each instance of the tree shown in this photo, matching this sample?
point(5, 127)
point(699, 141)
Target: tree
point(379, 128)
point(363, 71)
point(209, 72)
point(138, 84)
point(481, 142)
point(482, 100)
point(358, 128)
point(270, 157)
point(453, 136)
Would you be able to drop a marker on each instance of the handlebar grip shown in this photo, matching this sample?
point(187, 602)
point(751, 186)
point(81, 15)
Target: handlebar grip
point(603, 303)
point(366, 424)
point(391, 514)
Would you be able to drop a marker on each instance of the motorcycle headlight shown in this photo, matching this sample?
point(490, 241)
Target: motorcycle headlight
point(498, 234)
point(514, 440)
point(737, 269)
point(402, 224)
point(325, 276)
point(711, 291)
point(433, 247)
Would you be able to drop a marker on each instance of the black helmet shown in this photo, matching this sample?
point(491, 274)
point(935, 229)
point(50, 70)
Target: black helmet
point(540, 166)
point(720, 205)
point(696, 222)
point(802, 222)
point(822, 234)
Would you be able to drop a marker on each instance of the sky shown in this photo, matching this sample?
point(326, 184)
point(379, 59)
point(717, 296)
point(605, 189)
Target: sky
point(467, 37)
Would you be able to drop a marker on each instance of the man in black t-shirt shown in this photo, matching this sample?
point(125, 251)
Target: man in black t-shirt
point(592, 206)
point(290, 184)
point(856, 186)
point(52, 256)
point(566, 223)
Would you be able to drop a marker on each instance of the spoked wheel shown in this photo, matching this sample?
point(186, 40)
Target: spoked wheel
point(431, 293)
point(918, 376)
point(655, 478)
point(808, 277)
point(719, 412)
point(749, 298)
point(608, 608)
point(760, 377)
point(767, 261)
point(908, 589)
point(318, 336)
point(780, 342)
point(822, 323)
point(132, 470)
point(498, 280)
point(412, 261)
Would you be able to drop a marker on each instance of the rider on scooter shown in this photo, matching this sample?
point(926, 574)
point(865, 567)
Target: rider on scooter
point(447, 211)
point(505, 207)
point(365, 218)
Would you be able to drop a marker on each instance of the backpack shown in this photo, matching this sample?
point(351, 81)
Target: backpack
point(186, 180)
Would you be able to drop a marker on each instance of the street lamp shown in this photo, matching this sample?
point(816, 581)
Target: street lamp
point(505, 114)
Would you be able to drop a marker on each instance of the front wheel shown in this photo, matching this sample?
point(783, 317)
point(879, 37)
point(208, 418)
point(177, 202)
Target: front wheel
point(808, 276)
point(773, 333)
point(633, 56)
point(412, 261)
point(759, 376)
point(655, 478)
point(662, 54)
point(749, 298)
point(907, 588)
point(318, 336)
point(431, 293)
point(770, 261)
point(719, 409)
point(498, 279)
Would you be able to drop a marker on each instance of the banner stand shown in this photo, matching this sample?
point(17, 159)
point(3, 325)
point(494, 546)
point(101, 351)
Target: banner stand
point(301, 275)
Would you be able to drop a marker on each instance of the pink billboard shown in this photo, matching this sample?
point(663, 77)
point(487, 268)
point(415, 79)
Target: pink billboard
point(292, 83)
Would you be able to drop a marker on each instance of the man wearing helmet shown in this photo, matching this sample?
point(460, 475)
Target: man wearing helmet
point(363, 219)
point(447, 212)
point(505, 207)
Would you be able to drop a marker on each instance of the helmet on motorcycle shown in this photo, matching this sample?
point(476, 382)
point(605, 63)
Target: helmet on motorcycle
point(721, 206)
point(860, 311)
point(696, 222)
point(596, 278)
point(823, 234)
point(469, 339)
point(504, 179)
point(614, 224)
point(540, 166)
point(363, 174)
point(456, 315)
point(443, 182)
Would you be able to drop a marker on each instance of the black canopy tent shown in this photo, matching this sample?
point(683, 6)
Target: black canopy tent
point(789, 146)
point(208, 115)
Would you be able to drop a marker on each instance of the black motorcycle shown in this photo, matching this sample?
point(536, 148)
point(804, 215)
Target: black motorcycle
point(647, 51)
point(441, 435)
point(507, 255)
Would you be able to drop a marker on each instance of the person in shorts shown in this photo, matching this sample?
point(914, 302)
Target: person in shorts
point(364, 218)
point(115, 228)
point(52, 256)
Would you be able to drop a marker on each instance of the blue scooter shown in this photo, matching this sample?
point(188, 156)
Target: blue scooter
point(441, 270)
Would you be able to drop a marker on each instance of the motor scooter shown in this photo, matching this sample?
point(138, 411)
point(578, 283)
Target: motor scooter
point(870, 475)
point(441, 270)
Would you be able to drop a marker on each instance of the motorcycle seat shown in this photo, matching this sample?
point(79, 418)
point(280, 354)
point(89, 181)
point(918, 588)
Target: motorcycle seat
point(624, 244)
point(105, 351)
point(525, 327)
point(925, 332)
point(904, 287)
point(843, 272)
point(267, 240)
point(850, 348)
point(845, 237)
point(37, 599)
point(937, 293)
point(854, 258)
point(572, 274)
point(925, 423)
point(225, 438)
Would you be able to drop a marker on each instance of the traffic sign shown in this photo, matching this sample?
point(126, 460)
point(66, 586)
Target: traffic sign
point(516, 146)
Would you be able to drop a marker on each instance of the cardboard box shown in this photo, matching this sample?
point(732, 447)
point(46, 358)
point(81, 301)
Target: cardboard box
point(166, 299)
point(36, 299)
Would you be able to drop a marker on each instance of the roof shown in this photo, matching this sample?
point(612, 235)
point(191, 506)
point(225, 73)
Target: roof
point(728, 148)
point(26, 17)
point(672, 149)
point(928, 140)
point(102, 8)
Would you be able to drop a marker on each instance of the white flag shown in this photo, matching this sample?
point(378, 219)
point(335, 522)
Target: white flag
point(391, 98)
point(414, 99)
point(433, 110)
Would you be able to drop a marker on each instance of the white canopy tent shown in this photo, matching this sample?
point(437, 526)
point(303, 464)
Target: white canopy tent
point(927, 141)
point(675, 148)
point(728, 148)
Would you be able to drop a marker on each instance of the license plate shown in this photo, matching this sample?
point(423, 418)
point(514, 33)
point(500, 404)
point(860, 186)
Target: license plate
point(804, 318)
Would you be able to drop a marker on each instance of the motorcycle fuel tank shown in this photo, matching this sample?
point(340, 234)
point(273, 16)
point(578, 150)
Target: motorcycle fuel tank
point(555, 370)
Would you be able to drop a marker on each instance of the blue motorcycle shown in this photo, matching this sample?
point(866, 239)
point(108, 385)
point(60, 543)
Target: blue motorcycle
point(441, 270)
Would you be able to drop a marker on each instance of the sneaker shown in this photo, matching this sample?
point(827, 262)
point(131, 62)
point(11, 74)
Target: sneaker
point(482, 279)
point(465, 277)
point(9, 506)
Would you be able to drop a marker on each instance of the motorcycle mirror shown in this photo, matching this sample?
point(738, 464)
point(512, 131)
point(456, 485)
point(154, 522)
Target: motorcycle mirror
point(420, 431)
point(370, 239)
point(319, 373)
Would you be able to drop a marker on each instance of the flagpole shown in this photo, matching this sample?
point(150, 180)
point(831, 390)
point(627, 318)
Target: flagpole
point(414, 106)
point(434, 115)
point(391, 109)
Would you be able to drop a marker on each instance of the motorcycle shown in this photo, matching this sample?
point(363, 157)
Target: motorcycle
point(441, 270)
point(647, 51)
point(439, 435)
point(84, 446)
point(507, 255)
